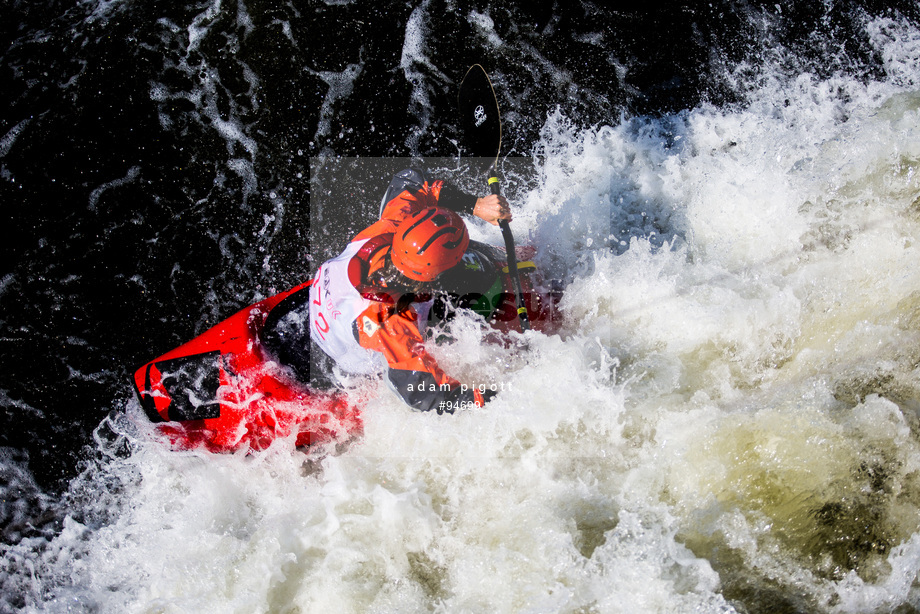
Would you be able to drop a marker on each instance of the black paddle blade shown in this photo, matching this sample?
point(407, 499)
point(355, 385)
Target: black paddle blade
point(480, 121)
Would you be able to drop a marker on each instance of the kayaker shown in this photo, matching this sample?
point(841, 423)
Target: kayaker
point(369, 305)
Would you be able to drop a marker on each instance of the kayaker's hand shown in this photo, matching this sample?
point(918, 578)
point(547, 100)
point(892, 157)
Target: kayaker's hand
point(492, 208)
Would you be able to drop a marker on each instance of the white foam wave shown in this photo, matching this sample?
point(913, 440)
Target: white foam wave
point(418, 70)
point(6, 143)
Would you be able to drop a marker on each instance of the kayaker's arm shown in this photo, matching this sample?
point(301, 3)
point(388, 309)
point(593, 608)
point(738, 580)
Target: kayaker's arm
point(411, 371)
point(409, 188)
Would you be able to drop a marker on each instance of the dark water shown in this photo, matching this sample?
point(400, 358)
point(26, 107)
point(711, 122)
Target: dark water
point(155, 157)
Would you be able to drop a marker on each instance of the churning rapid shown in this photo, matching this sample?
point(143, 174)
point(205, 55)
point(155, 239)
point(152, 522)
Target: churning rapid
point(728, 422)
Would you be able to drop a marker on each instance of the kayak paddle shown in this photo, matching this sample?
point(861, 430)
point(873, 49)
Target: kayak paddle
point(482, 133)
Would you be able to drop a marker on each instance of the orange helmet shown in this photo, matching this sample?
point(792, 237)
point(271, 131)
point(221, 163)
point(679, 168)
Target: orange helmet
point(428, 243)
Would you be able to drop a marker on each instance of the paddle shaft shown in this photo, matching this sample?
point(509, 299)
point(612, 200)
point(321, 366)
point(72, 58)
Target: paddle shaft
point(512, 259)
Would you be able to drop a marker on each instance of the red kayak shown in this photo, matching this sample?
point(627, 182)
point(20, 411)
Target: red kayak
point(225, 390)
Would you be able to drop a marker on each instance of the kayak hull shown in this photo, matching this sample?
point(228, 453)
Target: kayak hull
point(222, 391)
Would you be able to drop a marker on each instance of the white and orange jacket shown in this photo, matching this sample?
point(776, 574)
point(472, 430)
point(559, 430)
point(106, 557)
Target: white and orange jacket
point(356, 323)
